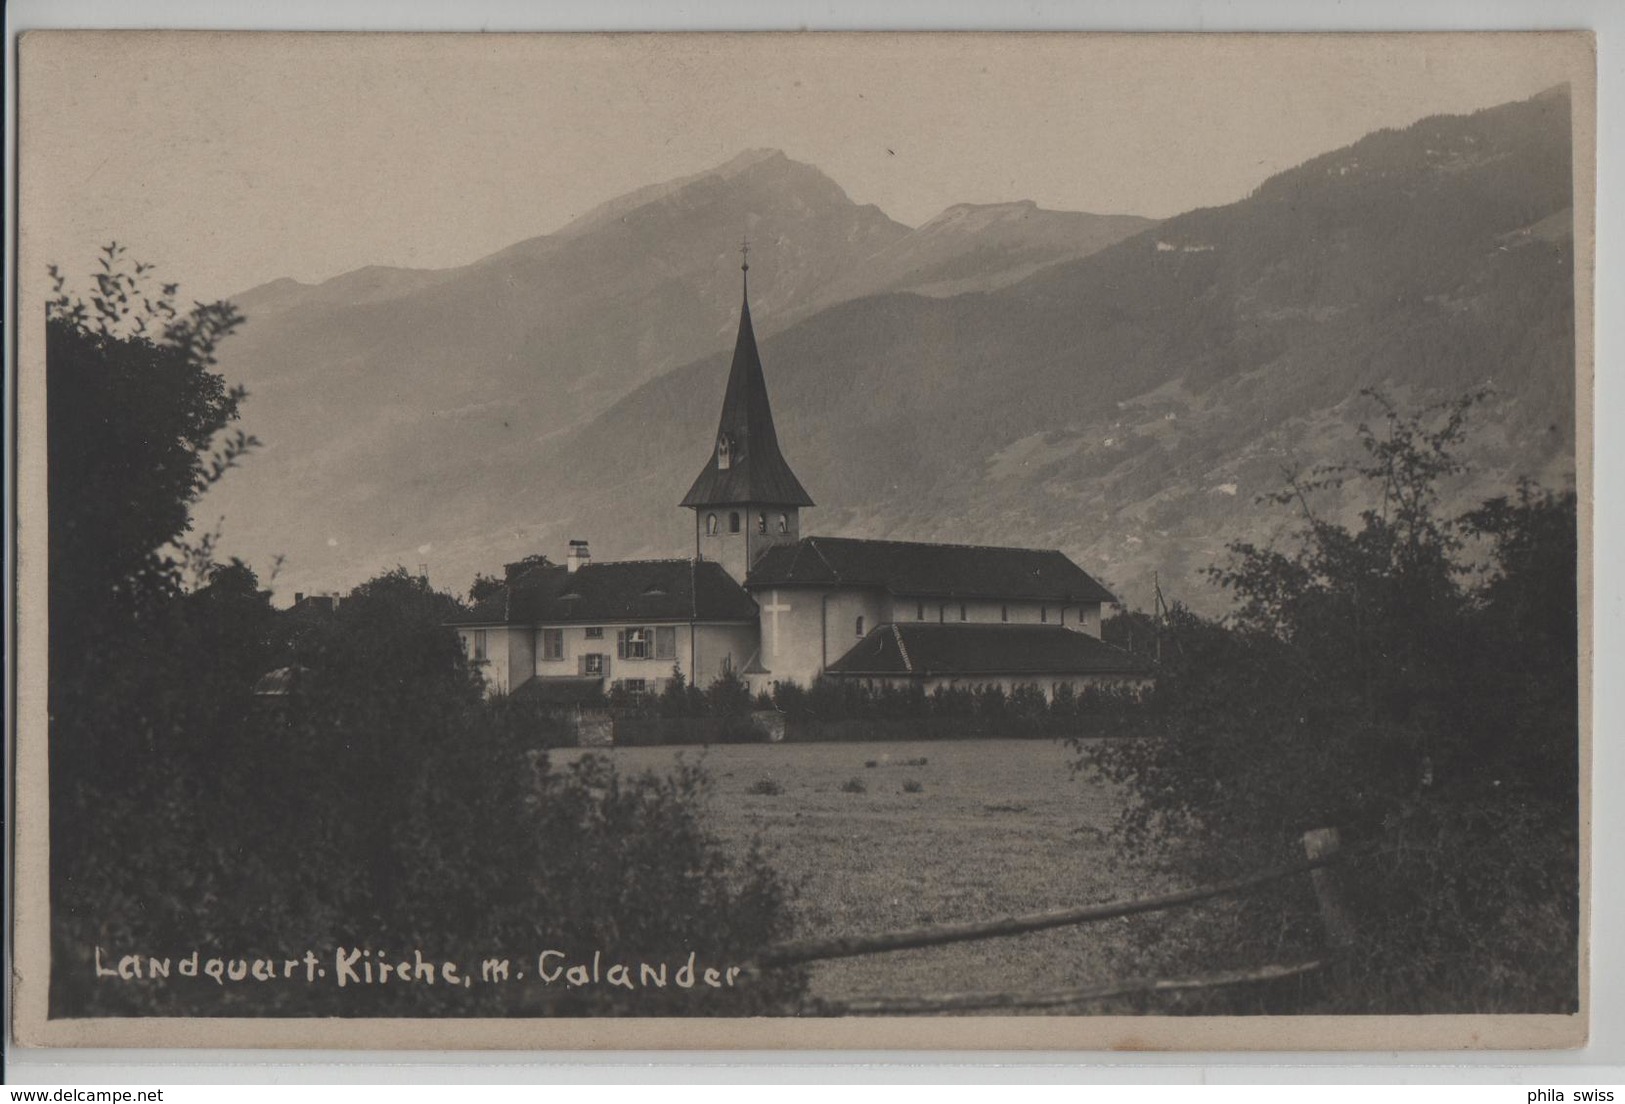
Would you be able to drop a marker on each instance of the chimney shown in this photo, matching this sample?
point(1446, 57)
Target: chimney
point(578, 556)
point(298, 596)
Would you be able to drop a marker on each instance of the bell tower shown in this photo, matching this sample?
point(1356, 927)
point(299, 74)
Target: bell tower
point(746, 499)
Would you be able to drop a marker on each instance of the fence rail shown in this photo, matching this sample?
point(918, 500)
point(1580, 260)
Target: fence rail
point(1064, 998)
point(1322, 847)
point(813, 950)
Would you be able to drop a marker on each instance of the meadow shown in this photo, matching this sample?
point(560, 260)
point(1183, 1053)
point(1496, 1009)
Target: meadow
point(876, 836)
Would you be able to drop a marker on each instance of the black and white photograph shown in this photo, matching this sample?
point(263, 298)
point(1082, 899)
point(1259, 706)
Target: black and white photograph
point(804, 540)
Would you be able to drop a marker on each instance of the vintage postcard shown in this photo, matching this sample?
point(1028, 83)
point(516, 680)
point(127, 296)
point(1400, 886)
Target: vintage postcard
point(804, 540)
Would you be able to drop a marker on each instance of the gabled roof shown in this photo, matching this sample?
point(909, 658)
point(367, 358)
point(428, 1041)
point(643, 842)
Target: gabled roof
point(908, 569)
point(630, 590)
point(757, 472)
point(926, 648)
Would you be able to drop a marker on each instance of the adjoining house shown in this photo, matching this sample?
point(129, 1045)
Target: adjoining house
point(626, 623)
point(761, 601)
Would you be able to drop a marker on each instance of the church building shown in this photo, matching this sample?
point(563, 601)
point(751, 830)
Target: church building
point(760, 600)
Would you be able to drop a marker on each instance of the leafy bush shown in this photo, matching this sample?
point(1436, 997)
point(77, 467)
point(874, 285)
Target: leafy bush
point(1363, 683)
point(378, 803)
point(727, 696)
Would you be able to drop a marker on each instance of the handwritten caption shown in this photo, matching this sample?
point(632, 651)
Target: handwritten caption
point(359, 966)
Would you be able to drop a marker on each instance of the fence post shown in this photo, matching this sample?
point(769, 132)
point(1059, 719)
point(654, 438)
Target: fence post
point(1321, 843)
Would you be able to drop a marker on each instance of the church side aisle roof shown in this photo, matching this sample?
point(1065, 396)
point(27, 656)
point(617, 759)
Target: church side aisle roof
point(919, 570)
point(757, 471)
point(629, 590)
point(925, 649)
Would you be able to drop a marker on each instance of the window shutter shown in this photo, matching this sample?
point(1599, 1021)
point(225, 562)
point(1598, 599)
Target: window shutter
point(620, 643)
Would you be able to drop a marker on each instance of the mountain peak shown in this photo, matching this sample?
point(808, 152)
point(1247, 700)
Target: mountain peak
point(730, 171)
point(748, 159)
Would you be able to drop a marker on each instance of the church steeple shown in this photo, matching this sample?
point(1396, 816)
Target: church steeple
point(746, 465)
point(746, 498)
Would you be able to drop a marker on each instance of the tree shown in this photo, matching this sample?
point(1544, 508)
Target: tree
point(136, 421)
point(375, 804)
point(1364, 682)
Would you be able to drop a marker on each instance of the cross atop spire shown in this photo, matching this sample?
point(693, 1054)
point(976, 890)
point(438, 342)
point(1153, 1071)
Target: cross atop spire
point(744, 254)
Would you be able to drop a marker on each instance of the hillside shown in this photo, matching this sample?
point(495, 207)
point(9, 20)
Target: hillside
point(391, 401)
point(1125, 405)
point(1129, 406)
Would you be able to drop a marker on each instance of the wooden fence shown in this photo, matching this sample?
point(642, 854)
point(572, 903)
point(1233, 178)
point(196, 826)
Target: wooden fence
point(1321, 849)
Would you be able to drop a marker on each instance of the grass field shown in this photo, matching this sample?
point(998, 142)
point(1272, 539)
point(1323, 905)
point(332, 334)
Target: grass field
point(935, 831)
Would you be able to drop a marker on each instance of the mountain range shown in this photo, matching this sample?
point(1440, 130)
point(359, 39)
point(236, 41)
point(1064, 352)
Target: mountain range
point(1118, 388)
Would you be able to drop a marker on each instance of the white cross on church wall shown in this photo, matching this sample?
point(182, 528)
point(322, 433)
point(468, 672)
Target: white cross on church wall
point(773, 610)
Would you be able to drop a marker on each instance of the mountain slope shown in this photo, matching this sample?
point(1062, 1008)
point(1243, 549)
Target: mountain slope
point(390, 399)
point(1127, 407)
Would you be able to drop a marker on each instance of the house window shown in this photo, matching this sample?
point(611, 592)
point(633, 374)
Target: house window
point(1063, 615)
point(784, 523)
point(710, 525)
point(553, 644)
point(595, 632)
point(635, 686)
point(733, 522)
point(633, 643)
point(479, 645)
point(592, 665)
point(666, 642)
point(1043, 615)
point(919, 612)
point(1004, 613)
point(962, 611)
point(761, 521)
point(860, 626)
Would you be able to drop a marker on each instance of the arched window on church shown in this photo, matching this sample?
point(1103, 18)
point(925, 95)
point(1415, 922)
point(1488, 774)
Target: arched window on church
point(860, 625)
point(733, 522)
point(784, 523)
point(761, 522)
point(710, 525)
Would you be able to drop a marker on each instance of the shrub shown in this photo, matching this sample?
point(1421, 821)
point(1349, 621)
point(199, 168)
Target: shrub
point(727, 696)
point(765, 787)
point(675, 700)
point(913, 785)
point(1362, 684)
point(381, 803)
point(516, 722)
point(854, 786)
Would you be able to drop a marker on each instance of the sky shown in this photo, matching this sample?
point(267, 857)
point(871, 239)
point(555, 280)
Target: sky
point(231, 160)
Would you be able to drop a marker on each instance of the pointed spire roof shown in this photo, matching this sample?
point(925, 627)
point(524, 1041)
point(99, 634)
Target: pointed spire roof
point(745, 463)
